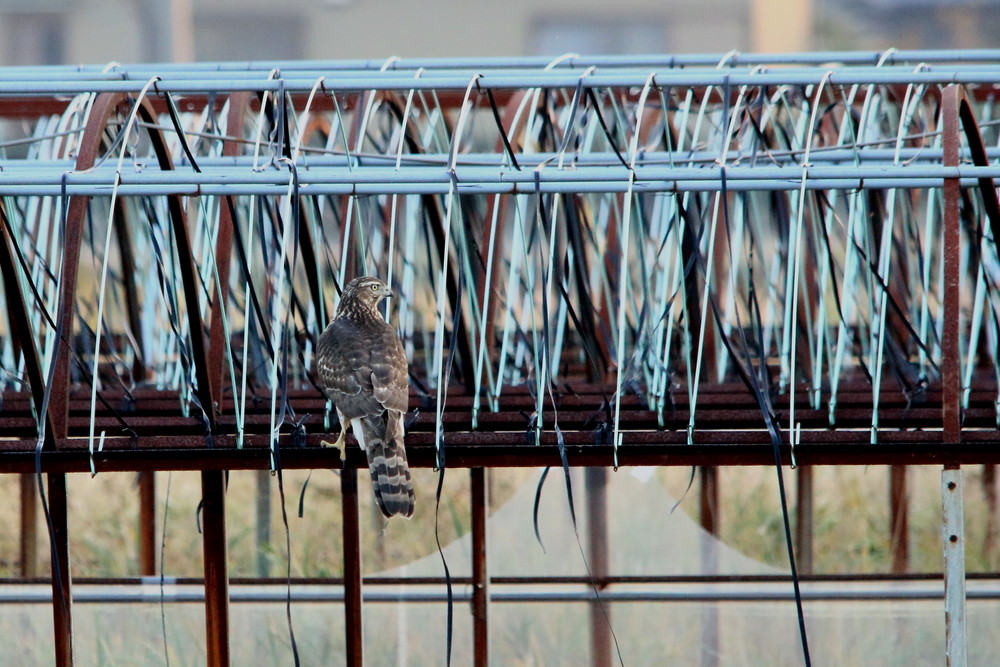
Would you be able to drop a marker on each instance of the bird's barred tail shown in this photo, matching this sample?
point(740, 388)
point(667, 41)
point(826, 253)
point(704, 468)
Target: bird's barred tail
point(390, 472)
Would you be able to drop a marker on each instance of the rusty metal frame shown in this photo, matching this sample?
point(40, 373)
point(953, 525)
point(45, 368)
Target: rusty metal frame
point(353, 623)
point(598, 558)
point(215, 547)
point(953, 533)
point(25, 342)
point(730, 428)
point(479, 490)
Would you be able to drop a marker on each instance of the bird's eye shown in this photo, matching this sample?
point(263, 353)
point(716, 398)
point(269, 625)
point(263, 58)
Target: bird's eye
point(375, 287)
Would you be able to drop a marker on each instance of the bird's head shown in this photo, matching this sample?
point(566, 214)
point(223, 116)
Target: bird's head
point(366, 291)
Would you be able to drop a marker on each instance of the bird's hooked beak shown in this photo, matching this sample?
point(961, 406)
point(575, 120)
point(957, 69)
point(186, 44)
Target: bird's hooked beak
point(387, 293)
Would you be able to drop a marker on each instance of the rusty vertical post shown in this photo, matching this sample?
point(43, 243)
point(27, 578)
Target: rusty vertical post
point(951, 477)
point(709, 499)
point(709, 519)
point(62, 598)
point(352, 568)
point(29, 526)
point(216, 576)
point(147, 523)
point(950, 360)
point(23, 339)
point(103, 108)
point(90, 142)
point(480, 571)
point(263, 510)
point(212, 481)
point(899, 519)
point(804, 519)
point(58, 412)
point(990, 494)
point(238, 104)
point(596, 481)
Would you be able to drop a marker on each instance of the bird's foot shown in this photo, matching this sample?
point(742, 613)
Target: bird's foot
point(339, 443)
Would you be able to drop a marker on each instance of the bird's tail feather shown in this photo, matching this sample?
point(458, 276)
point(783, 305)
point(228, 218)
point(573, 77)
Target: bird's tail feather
point(383, 442)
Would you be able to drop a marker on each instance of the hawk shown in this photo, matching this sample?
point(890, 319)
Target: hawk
point(361, 367)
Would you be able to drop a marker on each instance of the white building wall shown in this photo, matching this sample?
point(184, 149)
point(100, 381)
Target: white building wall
point(98, 31)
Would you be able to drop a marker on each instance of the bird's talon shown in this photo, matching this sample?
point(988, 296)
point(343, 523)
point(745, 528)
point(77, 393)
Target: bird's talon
point(338, 444)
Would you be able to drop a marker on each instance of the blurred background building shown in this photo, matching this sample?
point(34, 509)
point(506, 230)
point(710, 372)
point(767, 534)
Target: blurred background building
point(95, 31)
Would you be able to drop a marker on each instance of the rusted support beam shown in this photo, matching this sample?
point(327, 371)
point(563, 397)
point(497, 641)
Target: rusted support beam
point(709, 509)
point(239, 103)
point(740, 426)
point(29, 525)
point(24, 343)
point(709, 499)
point(899, 519)
point(23, 337)
point(263, 529)
point(596, 482)
point(989, 484)
point(86, 156)
point(804, 520)
point(480, 569)
point(951, 386)
point(58, 410)
point(720, 405)
point(500, 450)
point(353, 627)
point(216, 575)
point(147, 523)
point(951, 478)
point(709, 519)
point(62, 597)
point(101, 112)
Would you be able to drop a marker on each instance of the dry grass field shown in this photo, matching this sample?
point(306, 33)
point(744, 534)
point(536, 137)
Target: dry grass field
point(850, 537)
point(850, 522)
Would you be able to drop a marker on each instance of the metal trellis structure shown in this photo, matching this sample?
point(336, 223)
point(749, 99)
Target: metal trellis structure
point(664, 260)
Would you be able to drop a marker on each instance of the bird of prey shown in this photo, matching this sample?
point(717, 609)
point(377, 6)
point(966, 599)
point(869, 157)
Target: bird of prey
point(361, 367)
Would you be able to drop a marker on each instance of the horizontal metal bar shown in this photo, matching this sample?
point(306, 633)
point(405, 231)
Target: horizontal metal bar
point(340, 82)
point(309, 176)
point(571, 63)
point(443, 188)
point(869, 591)
point(837, 451)
point(928, 578)
point(874, 154)
point(303, 79)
